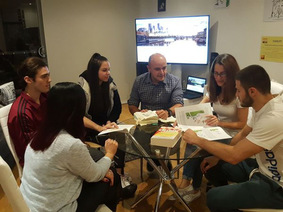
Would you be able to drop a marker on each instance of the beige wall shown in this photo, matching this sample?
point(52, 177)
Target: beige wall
point(76, 29)
point(236, 30)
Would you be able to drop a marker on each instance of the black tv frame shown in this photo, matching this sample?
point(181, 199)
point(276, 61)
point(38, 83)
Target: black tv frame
point(144, 34)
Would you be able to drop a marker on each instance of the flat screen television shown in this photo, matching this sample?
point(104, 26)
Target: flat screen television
point(182, 40)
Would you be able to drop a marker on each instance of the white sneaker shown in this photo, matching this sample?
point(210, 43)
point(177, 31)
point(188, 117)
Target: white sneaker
point(191, 197)
point(125, 180)
point(182, 192)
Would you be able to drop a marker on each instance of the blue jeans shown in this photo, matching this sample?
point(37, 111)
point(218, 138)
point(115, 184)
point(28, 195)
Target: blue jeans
point(192, 168)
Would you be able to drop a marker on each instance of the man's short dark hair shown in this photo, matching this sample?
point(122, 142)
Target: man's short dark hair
point(254, 76)
point(30, 68)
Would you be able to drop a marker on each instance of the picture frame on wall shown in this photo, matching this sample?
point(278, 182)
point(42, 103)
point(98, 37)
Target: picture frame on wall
point(221, 3)
point(161, 5)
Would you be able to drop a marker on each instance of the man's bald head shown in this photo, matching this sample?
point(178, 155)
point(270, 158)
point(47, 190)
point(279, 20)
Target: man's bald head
point(157, 66)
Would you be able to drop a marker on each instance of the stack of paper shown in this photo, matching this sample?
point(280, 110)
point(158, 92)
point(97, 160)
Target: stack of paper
point(144, 118)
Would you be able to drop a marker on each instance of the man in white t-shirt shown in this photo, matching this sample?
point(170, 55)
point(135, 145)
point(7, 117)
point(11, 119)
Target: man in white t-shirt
point(262, 137)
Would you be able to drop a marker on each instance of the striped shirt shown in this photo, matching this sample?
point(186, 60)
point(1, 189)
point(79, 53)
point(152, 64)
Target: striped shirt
point(24, 119)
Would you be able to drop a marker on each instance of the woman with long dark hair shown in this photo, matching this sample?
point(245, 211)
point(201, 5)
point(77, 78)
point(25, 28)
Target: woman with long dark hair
point(103, 109)
point(103, 104)
point(222, 94)
point(59, 172)
point(230, 116)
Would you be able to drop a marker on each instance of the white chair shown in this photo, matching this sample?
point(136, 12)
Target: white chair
point(11, 188)
point(276, 87)
point(4, 112)
point(102, 208)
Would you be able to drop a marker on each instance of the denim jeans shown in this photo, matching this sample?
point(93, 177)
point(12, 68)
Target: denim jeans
point(192, 168)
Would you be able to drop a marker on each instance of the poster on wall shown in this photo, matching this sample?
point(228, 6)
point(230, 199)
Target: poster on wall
point(273, 10)
point(221, 3)
point(271, 49)
point(161, 5)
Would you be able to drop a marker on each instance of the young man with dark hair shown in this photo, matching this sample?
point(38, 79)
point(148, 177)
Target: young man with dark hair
point(28, 109)
point(262, 137)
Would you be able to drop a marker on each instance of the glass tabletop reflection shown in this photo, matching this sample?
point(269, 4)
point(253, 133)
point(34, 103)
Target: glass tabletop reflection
point(137, 142)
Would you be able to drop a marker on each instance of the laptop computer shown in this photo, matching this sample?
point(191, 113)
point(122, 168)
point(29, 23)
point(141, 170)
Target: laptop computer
point(195, 87)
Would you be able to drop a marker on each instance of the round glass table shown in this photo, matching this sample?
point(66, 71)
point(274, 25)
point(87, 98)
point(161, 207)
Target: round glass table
point(136, 141)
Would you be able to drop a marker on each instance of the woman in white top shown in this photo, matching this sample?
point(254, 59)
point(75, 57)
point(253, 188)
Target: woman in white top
point(59, 173)
point(229, 115)
point(222, 94)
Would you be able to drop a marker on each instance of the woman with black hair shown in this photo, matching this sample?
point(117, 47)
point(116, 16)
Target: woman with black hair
point(59, 172)
point(103, 108)
point(103, 104)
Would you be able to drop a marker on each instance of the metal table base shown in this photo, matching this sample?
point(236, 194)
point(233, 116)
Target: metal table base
point(165, 176)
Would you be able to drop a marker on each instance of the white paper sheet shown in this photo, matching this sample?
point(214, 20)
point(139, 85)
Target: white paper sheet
point(194, 116)
point(209, 133)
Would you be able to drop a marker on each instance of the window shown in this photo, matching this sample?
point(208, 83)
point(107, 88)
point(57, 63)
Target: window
point(21, 35)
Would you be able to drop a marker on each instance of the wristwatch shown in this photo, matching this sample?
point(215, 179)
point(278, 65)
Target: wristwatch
point(169, 112)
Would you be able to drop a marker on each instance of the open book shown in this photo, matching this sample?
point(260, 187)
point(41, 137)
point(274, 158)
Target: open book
point(194, 116)
point(122, 127)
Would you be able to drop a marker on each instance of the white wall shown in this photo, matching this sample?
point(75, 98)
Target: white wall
point(76, 29)
point(236, 29)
